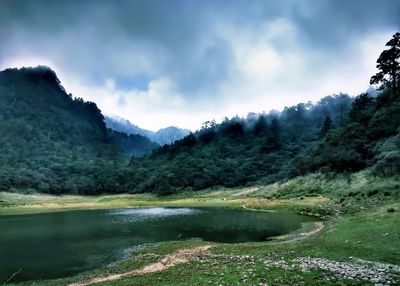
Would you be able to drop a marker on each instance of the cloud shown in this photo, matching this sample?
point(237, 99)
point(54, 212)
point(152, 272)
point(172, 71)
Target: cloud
point(184, 62)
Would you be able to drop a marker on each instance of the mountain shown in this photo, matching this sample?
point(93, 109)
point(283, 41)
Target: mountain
point(163, 136)
point(169, 135)
point(122, 125)
point(54, 143)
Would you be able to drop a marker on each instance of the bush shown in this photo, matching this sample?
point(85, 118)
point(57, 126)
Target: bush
point(372, 193)
point(388, 164)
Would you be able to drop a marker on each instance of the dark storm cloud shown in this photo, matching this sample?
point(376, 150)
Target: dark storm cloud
point(98, 37)
point(182, 41)
point(331, 23)
point(104, 36)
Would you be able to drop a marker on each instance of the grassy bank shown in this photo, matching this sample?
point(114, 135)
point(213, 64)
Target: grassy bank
point(14, 203)
point(11, 203)
point(322, 194)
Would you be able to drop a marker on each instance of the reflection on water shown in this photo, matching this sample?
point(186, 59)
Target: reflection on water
point(60, 244)
point(140, 214)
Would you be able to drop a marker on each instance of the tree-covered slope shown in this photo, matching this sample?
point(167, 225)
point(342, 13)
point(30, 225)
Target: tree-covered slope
point(368, 138)
point(239, 151)
point(53, 143)
point(338, 134)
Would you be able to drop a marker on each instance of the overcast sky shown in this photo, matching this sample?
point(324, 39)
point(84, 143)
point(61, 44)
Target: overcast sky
point(161, 63)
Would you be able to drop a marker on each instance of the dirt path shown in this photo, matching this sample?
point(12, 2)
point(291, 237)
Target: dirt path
point(175, 258)
point(318, 226)
point(246, 191)
point(258, 210)
point(183, 256)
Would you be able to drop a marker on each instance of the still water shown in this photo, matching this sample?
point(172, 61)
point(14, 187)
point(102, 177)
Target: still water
point(60, 244)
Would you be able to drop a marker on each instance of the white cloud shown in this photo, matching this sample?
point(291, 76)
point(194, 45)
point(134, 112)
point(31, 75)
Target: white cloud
point(270, 67)
point(266, 77)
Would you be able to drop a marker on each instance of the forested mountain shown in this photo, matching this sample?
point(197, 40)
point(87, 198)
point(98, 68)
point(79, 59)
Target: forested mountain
point(53, 143)
point(163, 136)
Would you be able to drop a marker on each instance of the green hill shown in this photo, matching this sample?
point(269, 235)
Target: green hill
point(339, 134)
point(54, 143)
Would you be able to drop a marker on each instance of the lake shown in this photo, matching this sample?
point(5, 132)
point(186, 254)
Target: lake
point(53, 245)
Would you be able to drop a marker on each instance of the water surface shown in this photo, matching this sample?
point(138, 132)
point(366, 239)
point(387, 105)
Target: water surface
point(53, 245)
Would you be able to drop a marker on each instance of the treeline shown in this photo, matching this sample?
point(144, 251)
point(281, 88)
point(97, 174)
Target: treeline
point(370, 138)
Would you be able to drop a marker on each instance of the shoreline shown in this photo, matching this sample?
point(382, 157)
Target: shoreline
point(15, 204)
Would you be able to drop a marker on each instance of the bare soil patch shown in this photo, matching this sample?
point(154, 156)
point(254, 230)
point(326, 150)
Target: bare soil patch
point(170, 260)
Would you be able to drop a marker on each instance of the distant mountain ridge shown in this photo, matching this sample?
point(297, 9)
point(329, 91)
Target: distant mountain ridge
point(163, 136)
point(135, 145)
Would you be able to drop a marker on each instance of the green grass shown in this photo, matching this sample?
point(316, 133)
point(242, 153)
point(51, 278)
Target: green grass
point(224, 272)
point(349, 193)
point(372, 235)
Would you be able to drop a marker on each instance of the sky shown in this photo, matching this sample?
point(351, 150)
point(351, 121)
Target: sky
point(182, 62)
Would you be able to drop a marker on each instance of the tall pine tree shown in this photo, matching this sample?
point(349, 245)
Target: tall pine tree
point(388, 65)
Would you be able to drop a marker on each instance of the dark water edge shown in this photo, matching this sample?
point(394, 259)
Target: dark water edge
point(55, 245)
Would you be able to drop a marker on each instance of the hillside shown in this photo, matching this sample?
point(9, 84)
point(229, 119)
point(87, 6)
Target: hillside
point(52, 142)
point(339, 134)
point(163, 136)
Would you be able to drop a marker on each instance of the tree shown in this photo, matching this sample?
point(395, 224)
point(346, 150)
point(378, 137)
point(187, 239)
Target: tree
point(327, 126)
point(359, 107)
point(260, 125)
point(388, 65)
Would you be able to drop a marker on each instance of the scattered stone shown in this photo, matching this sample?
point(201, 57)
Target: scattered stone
point(378, 273)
